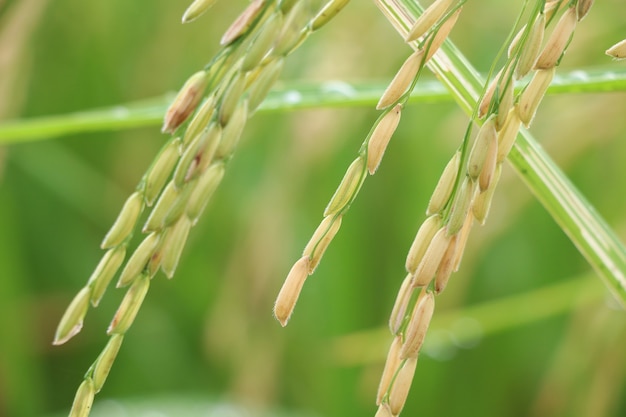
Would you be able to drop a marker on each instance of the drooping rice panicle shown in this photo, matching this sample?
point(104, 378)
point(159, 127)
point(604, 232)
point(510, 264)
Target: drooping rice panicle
point(373, 147)
point(206, 120)
point(464, 195)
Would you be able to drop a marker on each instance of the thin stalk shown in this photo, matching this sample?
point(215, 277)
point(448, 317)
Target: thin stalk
point(589, 232)
point(290, 96)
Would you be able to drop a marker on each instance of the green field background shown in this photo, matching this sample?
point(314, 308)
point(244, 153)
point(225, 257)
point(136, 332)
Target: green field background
point(205, 343)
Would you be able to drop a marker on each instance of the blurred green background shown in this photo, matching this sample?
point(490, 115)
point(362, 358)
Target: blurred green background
point(205, 343)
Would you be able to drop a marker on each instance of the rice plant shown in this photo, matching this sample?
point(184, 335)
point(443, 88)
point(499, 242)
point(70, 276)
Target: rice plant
point(204, 123)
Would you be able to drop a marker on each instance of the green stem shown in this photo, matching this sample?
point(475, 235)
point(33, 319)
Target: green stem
point(589, 232)
point(291, 96)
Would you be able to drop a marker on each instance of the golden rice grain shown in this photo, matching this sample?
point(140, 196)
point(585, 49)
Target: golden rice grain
point(392, 364)
point(379, 140)
point(485, 136)
point(422, 239)
point(558, 40)
point(530, 51)
point(402, 80)
point(403, 299)
point(401, 386)
point(533, 94)
point(418, 325)
point(445, 185)
point(428, 19)
point(617, 51)
point(427, 267)
point(348, 187)
point(320, 240)
point(290, 291)
point(461, 206)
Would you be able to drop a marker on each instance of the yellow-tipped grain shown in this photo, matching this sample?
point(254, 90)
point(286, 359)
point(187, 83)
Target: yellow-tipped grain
point(137, 262)
point(290, 291)
point(329, 11)
point(233, 130)
point(391, 367)
point(461, 206)
point(83, 399)
point(428, 19)
point(128, 309)
point(160, 170)
point(418, 325)
point(508, 134)
point(380, 138)
point(533, 94)
point(320, 240)
point(125, 222)
point(617, 51)
point(427, 268)
point(104, 272)
point(402, 80)
point(530, 51)
point(231, 98)
point(447, 265)
point(403, 298)
point(558, 40)
point(422, 239)
point(213, 137)
point(485, 101)
point(102, 366)
point(486, 174)
point(445, 185)
point(263, 42)
point(243, 22)
point(462, 241)
point(196, 9)
point(350, 184)
point(201, 119)
point(72, 320)
point(292, 33)
point(486, 135)
point(173, 245)
point(505, 103)
point(264, 82)
point(187, 166)
point(441, 35)
point(583, 8)
point(180, 205)
point(482, 202)
point(204, 189)
point(401, 386)
point(164, 204)
point(185, 102)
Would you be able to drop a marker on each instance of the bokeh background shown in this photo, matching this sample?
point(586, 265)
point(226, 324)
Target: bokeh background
point(205, 343)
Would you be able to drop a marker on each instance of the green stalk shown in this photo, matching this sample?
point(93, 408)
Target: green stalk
point(309, 95)
point(589, 232)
